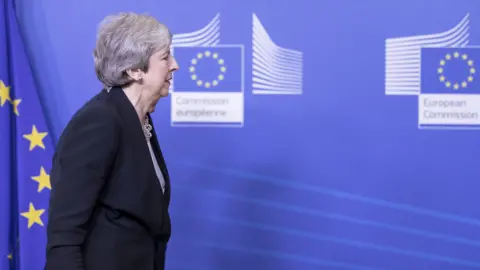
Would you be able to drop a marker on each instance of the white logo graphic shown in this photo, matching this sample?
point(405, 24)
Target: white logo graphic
point(275, 70)
point(207, 36)
point(208, 90)
point(440, 69)
point(402, 57)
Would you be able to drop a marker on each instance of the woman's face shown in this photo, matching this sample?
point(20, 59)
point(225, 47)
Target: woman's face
point(156, 81)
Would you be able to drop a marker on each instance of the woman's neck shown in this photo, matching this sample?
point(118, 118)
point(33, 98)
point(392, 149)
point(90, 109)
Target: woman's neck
point(134, 94)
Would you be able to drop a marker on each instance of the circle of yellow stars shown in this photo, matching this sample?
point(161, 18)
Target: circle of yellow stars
point(220, 62)
point(456, 85)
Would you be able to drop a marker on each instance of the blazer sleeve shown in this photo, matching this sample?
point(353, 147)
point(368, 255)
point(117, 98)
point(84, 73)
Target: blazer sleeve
point(83, 160)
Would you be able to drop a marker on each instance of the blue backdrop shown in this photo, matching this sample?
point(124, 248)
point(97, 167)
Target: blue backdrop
point(324, 152)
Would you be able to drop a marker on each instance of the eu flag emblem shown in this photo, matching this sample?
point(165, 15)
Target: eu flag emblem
point(206, 69)
point(25, 155)
point(450, 70)
point(208, 90)
point(450, 88)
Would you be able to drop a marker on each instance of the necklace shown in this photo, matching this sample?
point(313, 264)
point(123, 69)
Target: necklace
point(147, 128)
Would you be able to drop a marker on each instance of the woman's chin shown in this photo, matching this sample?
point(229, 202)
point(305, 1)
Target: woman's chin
point(164, 92)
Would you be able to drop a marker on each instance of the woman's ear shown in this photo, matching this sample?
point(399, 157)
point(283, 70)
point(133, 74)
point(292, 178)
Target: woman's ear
point(135, 74)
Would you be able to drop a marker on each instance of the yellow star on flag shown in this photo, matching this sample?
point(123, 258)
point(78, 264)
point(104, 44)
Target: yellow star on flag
point(33, 216)
point(43, 180)
point(35, 138)
point(10, 256)
point(4, 94)
point(15, 106)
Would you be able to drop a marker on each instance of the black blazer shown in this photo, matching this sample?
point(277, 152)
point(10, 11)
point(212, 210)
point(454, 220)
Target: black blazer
point(107, 210)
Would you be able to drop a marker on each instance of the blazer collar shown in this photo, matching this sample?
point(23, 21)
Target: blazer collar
point(126, 111)
point(130, 118)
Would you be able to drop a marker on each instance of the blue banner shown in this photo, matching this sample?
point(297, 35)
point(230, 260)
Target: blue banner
point(351, 141)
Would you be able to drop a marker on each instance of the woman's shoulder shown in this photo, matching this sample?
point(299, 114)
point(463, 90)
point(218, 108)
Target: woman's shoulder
point(97, 109)
point(95, 123)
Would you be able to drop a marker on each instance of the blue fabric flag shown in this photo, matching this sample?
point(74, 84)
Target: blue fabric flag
point(25, 155)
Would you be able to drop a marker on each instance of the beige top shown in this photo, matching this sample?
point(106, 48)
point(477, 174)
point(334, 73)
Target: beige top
point(157, 167)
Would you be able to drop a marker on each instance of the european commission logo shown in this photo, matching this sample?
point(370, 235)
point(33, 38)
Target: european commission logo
point(450, 94)
point(449, 70)
point(441, 70)
point(209, 89)
point(216, 69)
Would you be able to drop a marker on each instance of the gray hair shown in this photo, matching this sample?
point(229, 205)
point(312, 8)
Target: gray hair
point(126, 41)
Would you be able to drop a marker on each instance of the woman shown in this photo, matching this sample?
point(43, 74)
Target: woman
point(110, 185)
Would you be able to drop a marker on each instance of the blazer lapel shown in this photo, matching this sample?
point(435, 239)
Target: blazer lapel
point(158, 153)
point(134, 126)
